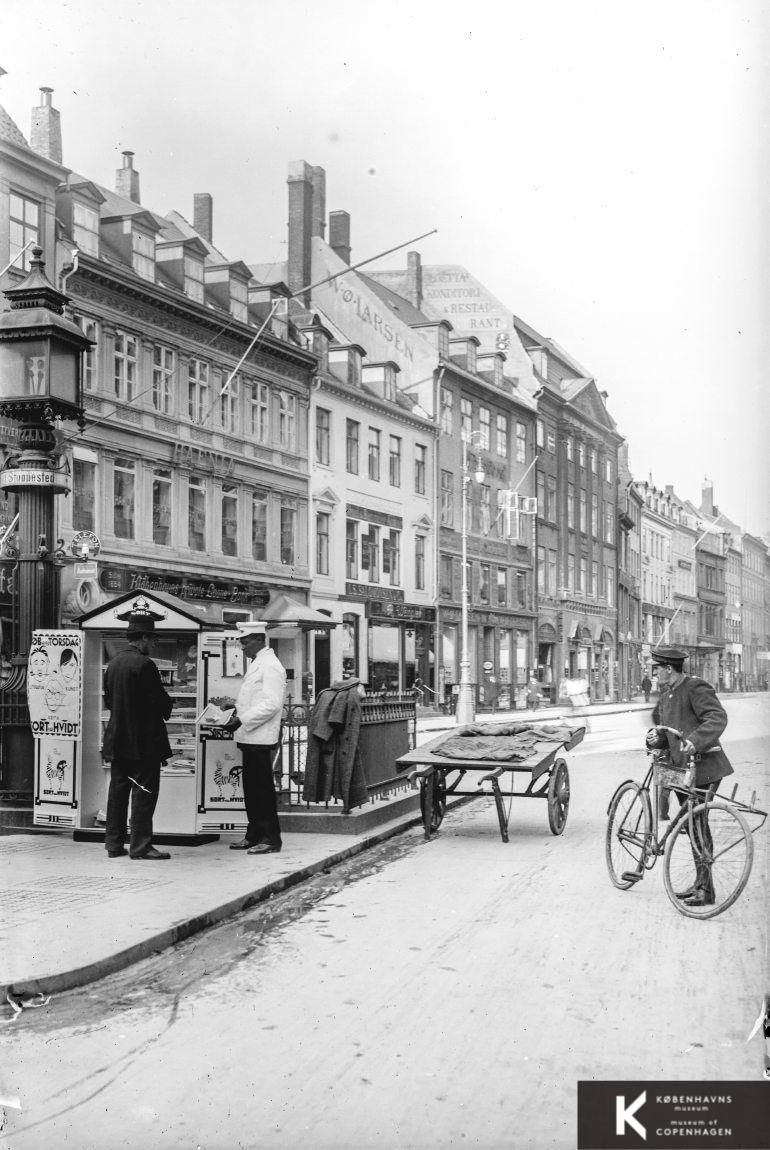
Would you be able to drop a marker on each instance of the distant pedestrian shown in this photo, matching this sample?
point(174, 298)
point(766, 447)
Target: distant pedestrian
point(259, 709)
point(135, 740)
point(533, 695)
point(646, 687)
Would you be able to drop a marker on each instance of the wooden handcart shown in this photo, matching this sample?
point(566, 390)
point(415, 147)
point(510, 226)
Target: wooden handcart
point(439, 776)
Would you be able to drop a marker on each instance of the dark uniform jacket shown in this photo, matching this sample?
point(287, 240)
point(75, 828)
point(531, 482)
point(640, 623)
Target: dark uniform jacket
point(138, 703)
point(692, 706)
point(333, 766)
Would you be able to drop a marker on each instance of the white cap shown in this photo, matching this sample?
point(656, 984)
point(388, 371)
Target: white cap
point(252, 628)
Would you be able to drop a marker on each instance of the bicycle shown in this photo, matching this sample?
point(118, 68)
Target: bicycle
point(632, 845)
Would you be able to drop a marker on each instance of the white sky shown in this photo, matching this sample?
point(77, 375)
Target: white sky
point(601, 166)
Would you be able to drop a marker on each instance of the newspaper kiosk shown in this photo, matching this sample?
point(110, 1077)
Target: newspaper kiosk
point(200, 787)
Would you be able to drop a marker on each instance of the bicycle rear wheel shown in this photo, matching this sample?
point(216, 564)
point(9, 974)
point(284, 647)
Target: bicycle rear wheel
point(729, 855)
point(629, 827)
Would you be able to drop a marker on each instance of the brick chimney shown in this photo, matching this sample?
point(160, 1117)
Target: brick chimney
point(414, 279)
point(339, 234)
point(203, 215)
point(319, 202)
point(45, 137)
point(300, 181)
point(707, 497)
point(127, 179)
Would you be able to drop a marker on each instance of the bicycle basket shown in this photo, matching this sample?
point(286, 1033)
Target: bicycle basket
point(667, 775)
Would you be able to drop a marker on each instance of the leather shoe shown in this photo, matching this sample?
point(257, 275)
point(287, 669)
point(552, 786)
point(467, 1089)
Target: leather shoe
point(263, 849)
point(243, 845)
point(686, 893)
point(152, 853)
point(117, 854)
point(701, 897)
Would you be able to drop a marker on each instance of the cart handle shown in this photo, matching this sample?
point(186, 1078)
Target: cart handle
point(420, 772)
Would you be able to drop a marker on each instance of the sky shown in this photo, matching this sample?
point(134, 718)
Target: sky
point(600, 166)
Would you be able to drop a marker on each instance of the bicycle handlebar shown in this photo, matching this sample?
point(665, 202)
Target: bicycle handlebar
point(672, 731)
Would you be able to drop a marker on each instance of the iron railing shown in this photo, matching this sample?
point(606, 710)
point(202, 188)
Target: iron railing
point(386, 716)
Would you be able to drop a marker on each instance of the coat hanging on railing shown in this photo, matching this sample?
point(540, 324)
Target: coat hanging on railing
point(333, 768)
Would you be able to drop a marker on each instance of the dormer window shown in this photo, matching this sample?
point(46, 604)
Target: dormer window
point(193, 278)
point(227, 287)
point(345, 363)
point(143, 254)
point(85, 228)
point(239, 300)
point(381, 377)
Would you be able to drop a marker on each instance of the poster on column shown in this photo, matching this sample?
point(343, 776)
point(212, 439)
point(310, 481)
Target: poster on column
point(54, 684)
point(56, 762)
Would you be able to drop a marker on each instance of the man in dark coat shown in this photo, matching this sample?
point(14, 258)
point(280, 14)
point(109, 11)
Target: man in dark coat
point(691, 706)
point(135, 741)
point(646, 687)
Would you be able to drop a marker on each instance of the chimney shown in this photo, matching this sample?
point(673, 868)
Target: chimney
point(127, 180)
point(707, 497)
point(300, 181)
point(414, 279)
point(46, 128)
point(203, 215)
point(319, 202)
point(339, 234)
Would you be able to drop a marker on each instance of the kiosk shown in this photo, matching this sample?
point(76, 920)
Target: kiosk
point(200, 789)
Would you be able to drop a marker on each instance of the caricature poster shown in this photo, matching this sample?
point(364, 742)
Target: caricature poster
point(56, 760)
point(54, 684)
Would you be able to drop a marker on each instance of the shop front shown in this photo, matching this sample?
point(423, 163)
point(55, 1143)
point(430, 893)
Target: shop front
point(401, 647)
point(499, 655)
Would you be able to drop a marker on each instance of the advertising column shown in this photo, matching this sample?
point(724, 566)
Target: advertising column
point(55, 696)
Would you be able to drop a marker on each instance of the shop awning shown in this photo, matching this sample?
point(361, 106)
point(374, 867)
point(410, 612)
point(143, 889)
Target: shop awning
point(285, 612)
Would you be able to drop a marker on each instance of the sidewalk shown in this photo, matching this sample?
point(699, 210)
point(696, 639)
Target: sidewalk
point(70, 915)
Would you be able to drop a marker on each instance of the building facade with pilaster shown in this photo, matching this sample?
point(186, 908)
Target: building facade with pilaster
point(192, 475)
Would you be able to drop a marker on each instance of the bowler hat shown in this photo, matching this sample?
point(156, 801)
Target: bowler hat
point(669, 657)
point(140, 624)
point(140, 617)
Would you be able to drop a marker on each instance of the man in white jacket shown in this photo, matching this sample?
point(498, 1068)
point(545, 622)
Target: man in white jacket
point(259, 707)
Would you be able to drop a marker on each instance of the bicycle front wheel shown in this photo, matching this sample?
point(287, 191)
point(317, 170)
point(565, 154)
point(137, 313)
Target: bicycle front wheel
point(629, 827)
point(726, 849)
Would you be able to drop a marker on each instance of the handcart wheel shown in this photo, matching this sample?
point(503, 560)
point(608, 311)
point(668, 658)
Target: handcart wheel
point(439, 800)
point(558, 797)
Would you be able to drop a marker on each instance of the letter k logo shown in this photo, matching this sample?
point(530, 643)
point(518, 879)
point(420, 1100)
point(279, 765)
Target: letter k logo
point(624, 1115)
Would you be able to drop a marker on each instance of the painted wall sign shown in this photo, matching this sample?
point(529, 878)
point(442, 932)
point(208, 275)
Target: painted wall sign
point(411, 611)
point(201, 459)
point(358, 312)
point(369, 591)
point(369, 515)
point(116, 580)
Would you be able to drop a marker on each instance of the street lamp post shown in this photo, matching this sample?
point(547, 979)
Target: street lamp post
point(465, 707)
point(40, 359)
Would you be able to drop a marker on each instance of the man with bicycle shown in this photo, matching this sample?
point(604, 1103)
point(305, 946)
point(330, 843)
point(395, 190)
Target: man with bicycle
point(690, 705)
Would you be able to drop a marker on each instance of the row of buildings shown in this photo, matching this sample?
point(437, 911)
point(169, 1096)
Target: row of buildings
point(316, 444)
